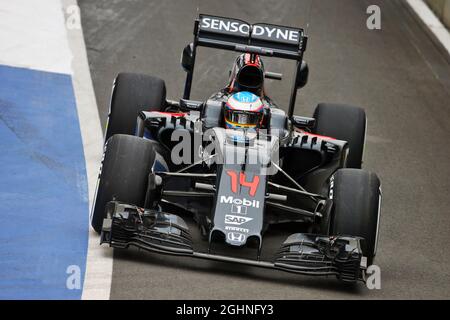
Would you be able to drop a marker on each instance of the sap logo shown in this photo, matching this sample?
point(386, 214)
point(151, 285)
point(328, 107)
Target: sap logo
point(235, 237)
point(239, 202)
point(230, 219)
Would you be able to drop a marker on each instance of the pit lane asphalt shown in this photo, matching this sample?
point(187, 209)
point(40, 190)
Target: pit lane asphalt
point(397, 74)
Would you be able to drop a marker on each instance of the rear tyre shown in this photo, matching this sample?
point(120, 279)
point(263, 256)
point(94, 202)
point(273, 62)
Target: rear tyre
point(356, 198)
point(124, 174)
point(133, 93)
point(344, 123)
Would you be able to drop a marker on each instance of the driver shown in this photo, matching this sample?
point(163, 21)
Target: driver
point(245, 102)
point(244, 110)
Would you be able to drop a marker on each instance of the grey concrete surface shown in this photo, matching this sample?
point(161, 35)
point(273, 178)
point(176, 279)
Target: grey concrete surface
point(396, 73)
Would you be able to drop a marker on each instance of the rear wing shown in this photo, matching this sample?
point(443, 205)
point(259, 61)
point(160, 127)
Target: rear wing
point(260, 38)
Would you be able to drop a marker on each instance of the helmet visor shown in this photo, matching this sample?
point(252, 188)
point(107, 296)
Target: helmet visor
point(242, 118)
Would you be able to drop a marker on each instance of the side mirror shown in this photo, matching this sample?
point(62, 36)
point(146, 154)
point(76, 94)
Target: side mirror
point(302, 75)
point(187, 58)
point(190, 105)
point(303, 122)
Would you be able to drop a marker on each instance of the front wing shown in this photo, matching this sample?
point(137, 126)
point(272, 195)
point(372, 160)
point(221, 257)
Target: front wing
point(156, 231)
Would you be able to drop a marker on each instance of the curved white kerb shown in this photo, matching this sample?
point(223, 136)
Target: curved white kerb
point(99, 262)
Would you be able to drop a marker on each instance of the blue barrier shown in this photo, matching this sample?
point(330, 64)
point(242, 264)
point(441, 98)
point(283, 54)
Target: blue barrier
point(43, 187)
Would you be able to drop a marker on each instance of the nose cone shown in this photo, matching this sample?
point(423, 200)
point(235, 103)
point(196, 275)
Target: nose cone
point(236, 239)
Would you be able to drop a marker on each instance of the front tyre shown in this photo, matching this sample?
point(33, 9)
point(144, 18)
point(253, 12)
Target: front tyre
point(124, 174)
point(356, 196)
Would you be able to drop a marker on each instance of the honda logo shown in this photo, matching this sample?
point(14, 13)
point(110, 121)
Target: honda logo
point(236, 237)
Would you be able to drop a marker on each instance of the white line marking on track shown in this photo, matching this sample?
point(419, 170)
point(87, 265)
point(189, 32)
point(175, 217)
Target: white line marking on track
point(432, 22)
point(97, 281)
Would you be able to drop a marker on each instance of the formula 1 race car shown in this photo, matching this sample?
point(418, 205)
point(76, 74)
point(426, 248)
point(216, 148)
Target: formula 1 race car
point(236, 167)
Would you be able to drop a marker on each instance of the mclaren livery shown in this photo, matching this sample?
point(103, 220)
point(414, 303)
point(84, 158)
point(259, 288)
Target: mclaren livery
point(249, 169)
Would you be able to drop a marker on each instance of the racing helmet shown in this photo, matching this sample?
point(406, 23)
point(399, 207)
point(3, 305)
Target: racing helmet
point(243, 110)
point(247, 74)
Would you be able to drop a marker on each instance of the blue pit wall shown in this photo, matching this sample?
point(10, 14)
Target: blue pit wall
point(43, 187)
